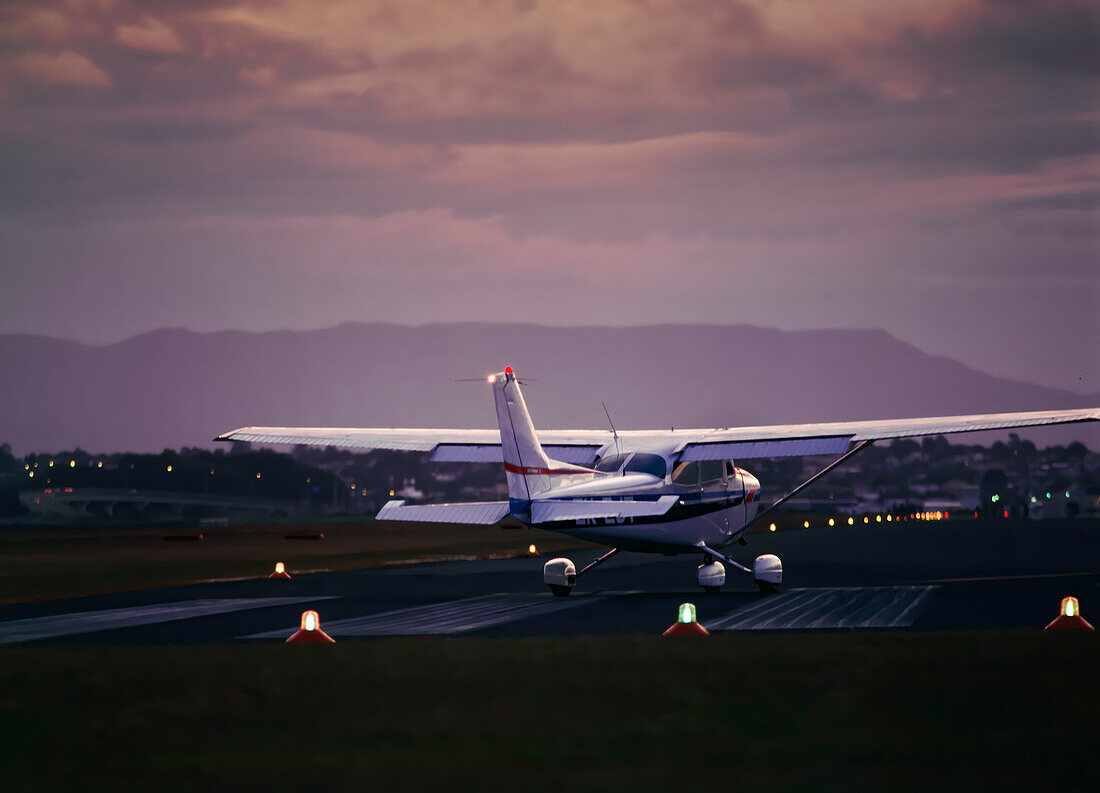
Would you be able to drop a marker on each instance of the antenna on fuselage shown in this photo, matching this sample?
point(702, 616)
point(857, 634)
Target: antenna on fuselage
point(614, 434)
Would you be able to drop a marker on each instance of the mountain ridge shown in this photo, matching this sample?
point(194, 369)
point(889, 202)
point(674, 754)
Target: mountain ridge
point(174, 387)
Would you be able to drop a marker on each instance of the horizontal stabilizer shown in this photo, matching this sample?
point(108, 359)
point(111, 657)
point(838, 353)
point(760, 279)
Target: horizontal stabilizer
point(485, 513)
point(549, 511)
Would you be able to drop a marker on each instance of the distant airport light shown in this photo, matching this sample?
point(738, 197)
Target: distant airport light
point(889, 518)
point(1069, 606)
point(687, 612)
point(1048, 494)
point(1006, 513)
point(866, 519)
point(280, 571)
point(851, 521)
point(99, 464)
point(805, 524)
point(832, 522)
point(258, 474)
point(878, 518)
point(532, 550)
point(280, 567)
point(31, 474)
point(51, 463)
point(771, 527)
point(946, 514)
point(491, 379)
point(391, 492)
point(1067, 494)
point(169, 469)
point(27, 467)
point(72, 463)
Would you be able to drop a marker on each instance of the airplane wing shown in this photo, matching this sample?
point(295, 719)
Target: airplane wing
point(835, 437)
point(450, 445)
point(735, 443)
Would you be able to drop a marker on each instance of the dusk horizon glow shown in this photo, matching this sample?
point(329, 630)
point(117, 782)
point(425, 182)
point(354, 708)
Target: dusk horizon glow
point(930, 169)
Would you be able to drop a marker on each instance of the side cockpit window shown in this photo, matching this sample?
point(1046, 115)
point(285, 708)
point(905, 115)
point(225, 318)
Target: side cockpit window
point(686, 474)
point(710, 471)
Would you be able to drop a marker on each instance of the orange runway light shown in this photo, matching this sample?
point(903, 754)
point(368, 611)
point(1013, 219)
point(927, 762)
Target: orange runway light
point(280, 571)
point(532, 550)
point(1070, 619)
point(310, 632)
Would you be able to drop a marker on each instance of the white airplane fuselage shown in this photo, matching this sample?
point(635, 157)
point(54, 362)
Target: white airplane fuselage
point(716, 501)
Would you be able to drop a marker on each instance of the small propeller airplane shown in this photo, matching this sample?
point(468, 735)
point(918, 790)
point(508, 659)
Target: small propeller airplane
point(653, 491)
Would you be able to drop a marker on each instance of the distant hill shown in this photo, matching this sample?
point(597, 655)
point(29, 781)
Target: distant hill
point(172, 388)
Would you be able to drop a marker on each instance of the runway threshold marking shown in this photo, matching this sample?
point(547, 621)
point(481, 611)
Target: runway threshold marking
point(830, 609)
point(32, 629)
point(456, 616)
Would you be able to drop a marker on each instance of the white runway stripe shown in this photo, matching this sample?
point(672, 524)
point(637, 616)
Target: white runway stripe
point(457, 616)
point(28, 630)
point(830, 609)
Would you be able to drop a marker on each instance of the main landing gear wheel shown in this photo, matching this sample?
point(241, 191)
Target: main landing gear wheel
point(767, 572)
point(712, 575)
point(560, 575)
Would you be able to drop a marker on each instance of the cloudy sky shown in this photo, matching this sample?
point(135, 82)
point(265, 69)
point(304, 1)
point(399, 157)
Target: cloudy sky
point(931, 168)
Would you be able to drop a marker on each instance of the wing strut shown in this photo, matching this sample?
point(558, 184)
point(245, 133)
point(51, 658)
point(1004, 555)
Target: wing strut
point(595, 562)
point(858, 448)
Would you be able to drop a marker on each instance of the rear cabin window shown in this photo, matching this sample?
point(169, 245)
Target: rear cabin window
point(613, 462)
point(653, 464)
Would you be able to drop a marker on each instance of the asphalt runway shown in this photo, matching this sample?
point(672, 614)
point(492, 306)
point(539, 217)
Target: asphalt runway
point(951, 575)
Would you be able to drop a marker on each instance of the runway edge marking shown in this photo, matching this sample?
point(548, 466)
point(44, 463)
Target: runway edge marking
point(830, 609)
point(453, 616)
point(36, 628)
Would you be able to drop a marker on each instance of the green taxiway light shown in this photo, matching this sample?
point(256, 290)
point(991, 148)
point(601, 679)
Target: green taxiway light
point(687, 612)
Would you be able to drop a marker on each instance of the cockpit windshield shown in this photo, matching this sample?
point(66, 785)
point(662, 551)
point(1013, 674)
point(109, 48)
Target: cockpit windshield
point(652, 464)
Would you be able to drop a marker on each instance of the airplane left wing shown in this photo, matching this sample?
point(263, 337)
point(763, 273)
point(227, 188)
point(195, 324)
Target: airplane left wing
point(835, 437)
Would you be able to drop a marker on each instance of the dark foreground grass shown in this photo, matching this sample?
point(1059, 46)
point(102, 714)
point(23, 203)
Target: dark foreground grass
point(857, 712)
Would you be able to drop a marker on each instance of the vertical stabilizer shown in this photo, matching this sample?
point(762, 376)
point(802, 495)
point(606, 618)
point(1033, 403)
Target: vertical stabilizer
point(531, 474)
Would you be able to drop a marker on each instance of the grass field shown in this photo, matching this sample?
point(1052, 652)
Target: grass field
point(43, 563)
point(863, 712)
